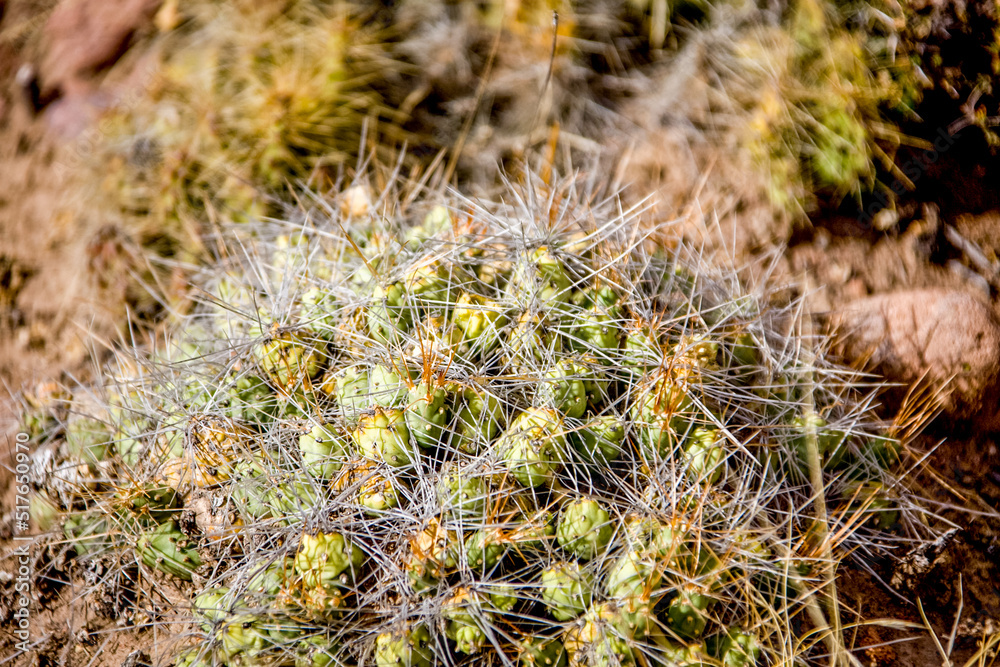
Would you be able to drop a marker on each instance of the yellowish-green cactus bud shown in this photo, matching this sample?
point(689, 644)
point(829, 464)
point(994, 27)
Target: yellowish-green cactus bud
point(167, 549)
point(584, 528)
point(323, 450)
point(291, 359)
point(534, 446)
point(566, 590)
point(409, 646)
point(382, 435)
point(321, 559)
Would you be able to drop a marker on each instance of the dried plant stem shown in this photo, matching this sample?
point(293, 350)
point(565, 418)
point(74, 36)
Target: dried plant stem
point(838, 653)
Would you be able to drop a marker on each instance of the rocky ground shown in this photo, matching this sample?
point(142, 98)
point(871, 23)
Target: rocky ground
point(915, 300)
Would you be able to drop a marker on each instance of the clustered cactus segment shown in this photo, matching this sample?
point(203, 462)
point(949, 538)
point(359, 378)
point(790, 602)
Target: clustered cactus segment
point(534, 445)
point(167, 549)
point(494, 441)
point(462, 493)
point(686, 612)
point(289, 360)
point(324, 451)
point(431, 557)
point(466, 616)
point(598, 639)
point(566, 590)
point(636, 575)
point(407, 647)
point(427, 413)
point(584, 528)
point(477, 417)
point(382, 435)
point(483, 550)
point(322, 558)
point(600, 440)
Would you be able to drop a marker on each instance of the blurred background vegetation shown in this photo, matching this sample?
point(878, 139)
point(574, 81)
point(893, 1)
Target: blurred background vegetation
point(775, 114)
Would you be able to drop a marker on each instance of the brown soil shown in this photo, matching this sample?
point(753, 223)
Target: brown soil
point(970, 556)
point(57, 309)
point(63, 298)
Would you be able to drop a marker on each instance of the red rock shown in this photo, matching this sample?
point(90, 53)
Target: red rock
point(943, 339)
point(82, 37)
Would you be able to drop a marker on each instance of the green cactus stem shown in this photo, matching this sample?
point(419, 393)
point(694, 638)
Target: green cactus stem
point(567, 590)
point(534, 445)
point(167, 549)
point(382, 435)
point(584, 528)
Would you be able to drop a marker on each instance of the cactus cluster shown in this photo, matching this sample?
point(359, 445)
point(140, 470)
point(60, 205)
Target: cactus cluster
point(495, 434)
